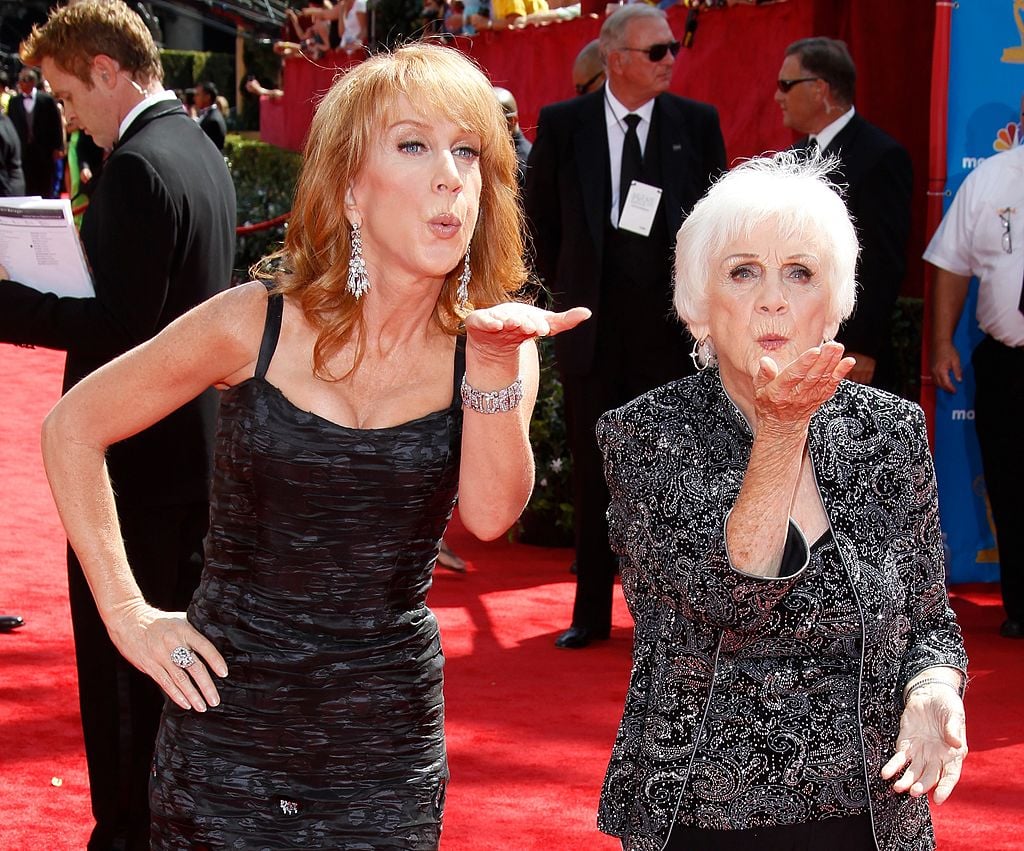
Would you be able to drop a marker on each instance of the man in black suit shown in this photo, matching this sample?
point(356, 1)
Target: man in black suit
point(210, 118)
point(159, 235)
point(36, 117)
point(815, 91)
point(610, 178)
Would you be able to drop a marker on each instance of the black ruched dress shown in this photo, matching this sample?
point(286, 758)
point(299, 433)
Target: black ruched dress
point(330, 730)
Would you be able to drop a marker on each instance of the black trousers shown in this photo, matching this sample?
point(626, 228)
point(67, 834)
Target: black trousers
point(120, 705)
point(999, 417)
point(40, 172)
point(634, 354)
point(586, 398)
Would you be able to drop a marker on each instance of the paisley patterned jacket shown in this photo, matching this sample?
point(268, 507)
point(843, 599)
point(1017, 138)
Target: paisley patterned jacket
point(675, 460)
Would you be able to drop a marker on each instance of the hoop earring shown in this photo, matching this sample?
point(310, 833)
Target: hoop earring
point(703, 354)
point(358, 281)
point(462, 294)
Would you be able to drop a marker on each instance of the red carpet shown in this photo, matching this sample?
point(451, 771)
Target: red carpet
point(529, 727)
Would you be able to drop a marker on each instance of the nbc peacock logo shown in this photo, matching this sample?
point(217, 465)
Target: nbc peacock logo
point(1007, 137)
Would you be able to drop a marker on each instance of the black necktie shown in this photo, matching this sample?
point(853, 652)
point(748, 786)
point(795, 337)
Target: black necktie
point(632, 158)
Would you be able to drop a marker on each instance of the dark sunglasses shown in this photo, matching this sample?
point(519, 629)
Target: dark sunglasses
point(656, 52)
point(583, 88)
point(786, 85)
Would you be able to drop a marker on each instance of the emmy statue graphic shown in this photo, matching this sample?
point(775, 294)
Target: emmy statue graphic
point(1016, 54)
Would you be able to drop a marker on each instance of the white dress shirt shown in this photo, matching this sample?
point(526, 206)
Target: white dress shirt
point(970, 241)
point(28, 100)
point(829, 133)
point(615, 113)
point(142, 105)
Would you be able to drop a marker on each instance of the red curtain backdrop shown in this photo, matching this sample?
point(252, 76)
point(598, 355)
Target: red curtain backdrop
point(733, 63)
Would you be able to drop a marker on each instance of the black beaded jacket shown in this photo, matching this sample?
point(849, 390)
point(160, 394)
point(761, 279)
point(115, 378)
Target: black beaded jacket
point(675, 459)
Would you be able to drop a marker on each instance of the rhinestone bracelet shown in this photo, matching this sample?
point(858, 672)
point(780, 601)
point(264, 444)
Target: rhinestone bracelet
point(931, 681)
point(495, 401)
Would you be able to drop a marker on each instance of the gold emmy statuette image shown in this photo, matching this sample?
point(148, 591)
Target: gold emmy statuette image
point(1016, 54)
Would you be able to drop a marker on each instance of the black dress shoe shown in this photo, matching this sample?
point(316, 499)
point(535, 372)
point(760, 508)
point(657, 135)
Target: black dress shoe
point(9, 622)
point(576, 637)
point(1012, 629)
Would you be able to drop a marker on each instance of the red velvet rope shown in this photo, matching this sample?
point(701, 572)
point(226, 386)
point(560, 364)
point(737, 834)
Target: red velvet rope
point(274, 222)
point(239, 231)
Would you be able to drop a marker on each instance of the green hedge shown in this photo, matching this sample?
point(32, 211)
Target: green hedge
point(184, 68)
point(264, 178)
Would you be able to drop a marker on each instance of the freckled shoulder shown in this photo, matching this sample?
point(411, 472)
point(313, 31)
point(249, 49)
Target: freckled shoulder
point(235, 319)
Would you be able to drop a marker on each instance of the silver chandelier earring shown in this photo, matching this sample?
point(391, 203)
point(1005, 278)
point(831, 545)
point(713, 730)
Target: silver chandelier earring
point(358, 281)
point(462, 294)
point(703, 354)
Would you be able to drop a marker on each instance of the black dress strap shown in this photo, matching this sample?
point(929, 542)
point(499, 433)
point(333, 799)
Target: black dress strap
point(460, 370)
point(271, 333)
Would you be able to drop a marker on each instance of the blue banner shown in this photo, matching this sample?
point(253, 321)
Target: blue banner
point(986, 82)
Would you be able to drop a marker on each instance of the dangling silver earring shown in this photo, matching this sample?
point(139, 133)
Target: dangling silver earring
point(462, 294)
point(358, 281)
point(702, 354)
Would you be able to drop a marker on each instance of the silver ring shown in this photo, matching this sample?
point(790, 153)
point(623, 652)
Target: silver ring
point(183, 657)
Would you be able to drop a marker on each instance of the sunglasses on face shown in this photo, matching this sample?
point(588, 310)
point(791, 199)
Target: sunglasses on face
point(656, 52)
point(583, 88)
point(786, 85)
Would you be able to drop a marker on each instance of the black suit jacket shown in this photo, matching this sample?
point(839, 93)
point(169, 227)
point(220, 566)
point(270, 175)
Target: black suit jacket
point(215, 126)
point(12, 181)
point(568, 201)
point(878, 176)
point(47, 137)
point(159, 235)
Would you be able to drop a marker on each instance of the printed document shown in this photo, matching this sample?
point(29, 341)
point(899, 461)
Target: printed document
point(39, 246)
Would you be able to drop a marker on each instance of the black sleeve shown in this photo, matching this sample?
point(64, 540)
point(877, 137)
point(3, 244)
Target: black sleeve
point(543, 211)
point(714, 148)
point(882, 217)
point(131, 255)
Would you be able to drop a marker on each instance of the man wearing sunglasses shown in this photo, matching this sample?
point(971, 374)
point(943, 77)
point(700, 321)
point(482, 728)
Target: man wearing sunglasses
point(588, 69)
point(612, 173)
point(815, 91)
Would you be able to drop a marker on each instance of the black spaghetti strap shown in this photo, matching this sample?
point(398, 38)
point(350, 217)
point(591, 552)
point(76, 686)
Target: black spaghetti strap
point(460, 370)
point(271, 333)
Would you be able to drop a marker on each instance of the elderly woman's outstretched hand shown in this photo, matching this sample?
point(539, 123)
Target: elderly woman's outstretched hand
point(498, 332)
point(931, 746)
point(793, 394)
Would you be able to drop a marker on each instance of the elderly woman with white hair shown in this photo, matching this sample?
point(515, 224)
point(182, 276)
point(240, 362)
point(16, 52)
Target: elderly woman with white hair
point(797, 671)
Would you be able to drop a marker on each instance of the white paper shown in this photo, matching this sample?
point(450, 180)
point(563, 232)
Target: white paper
point(39, 246)
point(640, 208)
